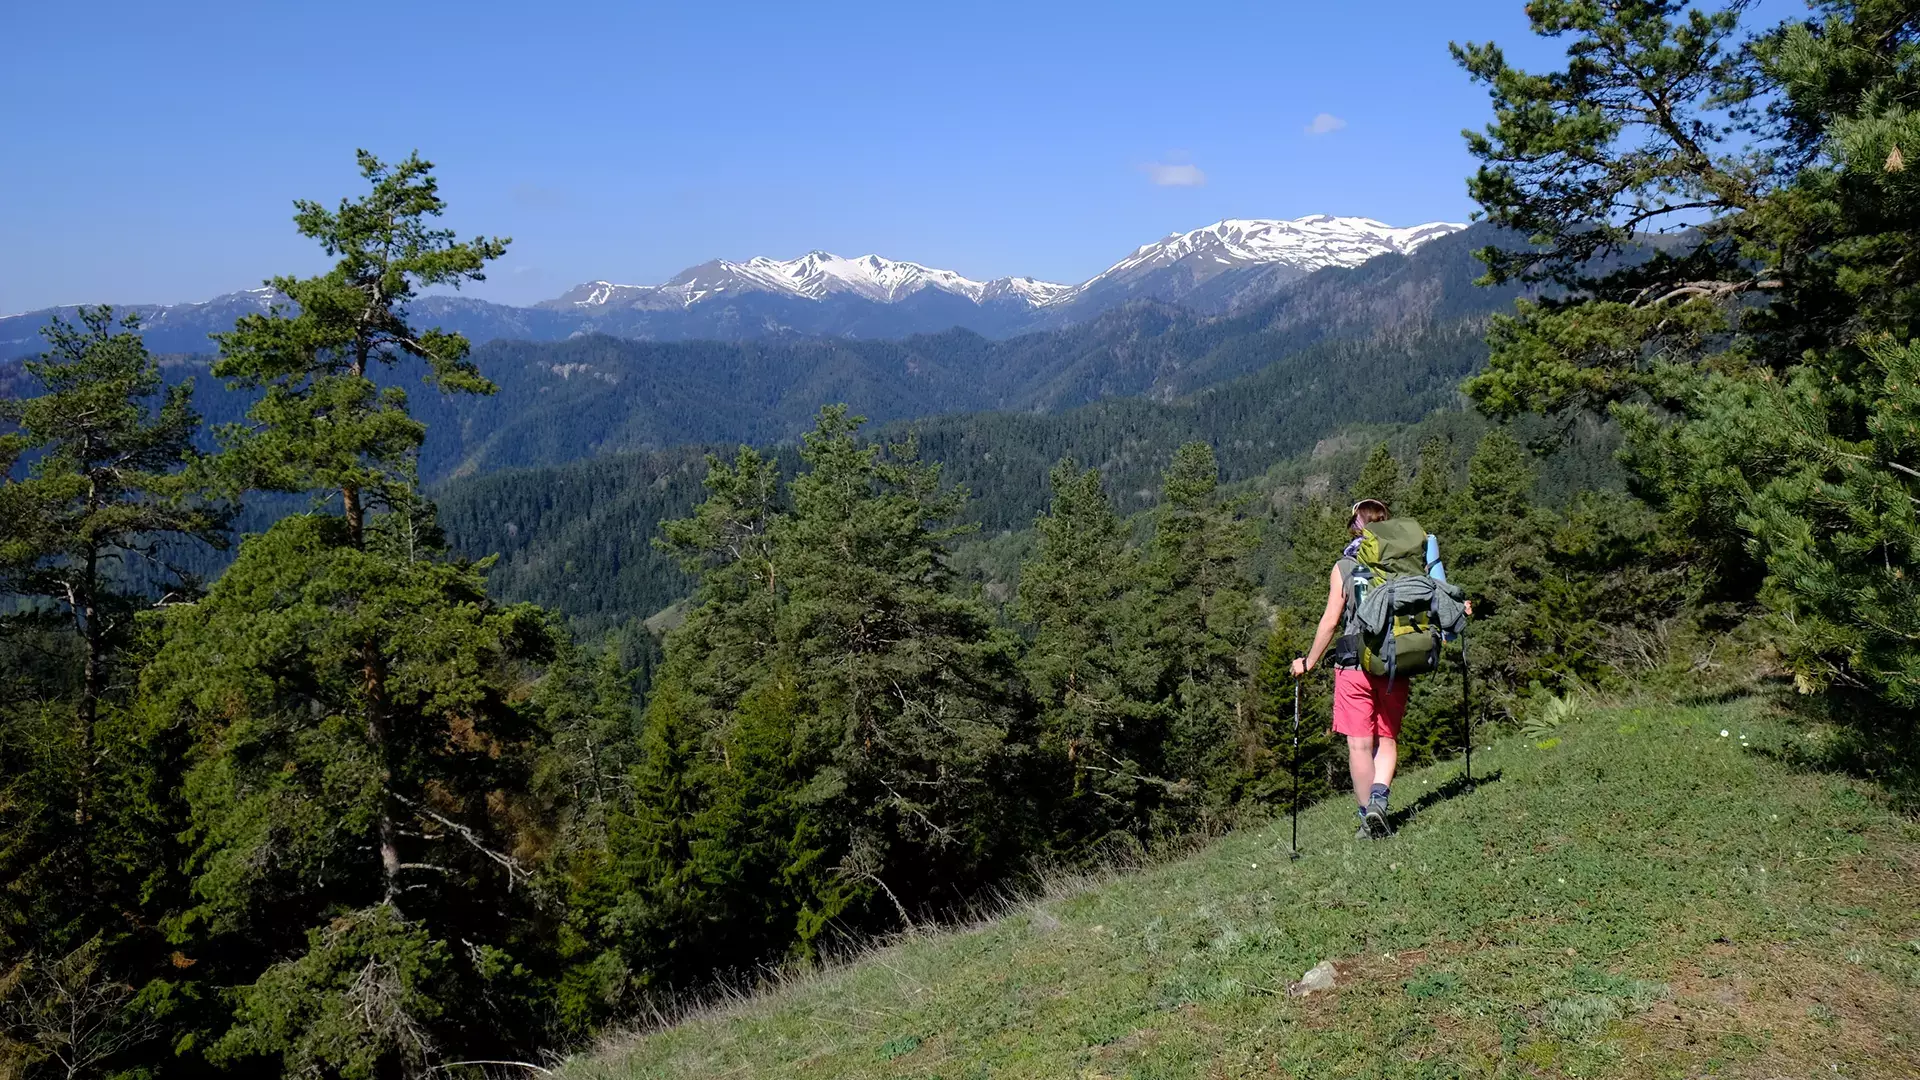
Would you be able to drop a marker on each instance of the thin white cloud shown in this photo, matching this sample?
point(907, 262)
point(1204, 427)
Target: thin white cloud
point(1162, 174)
point(1324, 123)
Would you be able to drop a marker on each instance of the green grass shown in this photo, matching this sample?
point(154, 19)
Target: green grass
point(1643, 897)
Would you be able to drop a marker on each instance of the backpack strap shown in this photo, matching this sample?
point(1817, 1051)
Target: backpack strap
point(1346, 647)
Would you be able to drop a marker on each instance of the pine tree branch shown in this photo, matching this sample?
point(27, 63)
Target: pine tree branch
point(1894, 465)
point(901, 801)
point(1167, 785)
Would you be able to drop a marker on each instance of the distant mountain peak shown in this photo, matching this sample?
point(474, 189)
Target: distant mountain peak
point(1303, 244)
point(815, 275)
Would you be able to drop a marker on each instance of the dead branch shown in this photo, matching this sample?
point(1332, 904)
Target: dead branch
point(515, 872)
point(1712, 290)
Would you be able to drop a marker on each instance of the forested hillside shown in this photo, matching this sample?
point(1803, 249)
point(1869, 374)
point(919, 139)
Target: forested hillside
point(580, 538)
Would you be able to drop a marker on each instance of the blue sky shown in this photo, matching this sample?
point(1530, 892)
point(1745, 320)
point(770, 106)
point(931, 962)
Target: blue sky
point(152, 151)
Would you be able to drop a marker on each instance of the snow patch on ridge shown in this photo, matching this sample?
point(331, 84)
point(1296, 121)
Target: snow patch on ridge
point(813, 276)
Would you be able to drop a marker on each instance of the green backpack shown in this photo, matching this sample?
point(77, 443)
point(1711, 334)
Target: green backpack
point(1390, 549)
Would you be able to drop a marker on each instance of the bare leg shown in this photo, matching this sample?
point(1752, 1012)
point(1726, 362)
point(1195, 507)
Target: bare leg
point(1360, 764)
point(1385, 758)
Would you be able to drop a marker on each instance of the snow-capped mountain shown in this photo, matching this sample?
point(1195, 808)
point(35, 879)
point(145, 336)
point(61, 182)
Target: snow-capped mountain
point(816, 275)
point(1032, 290)
point(1305, 244)
point(1165, 269)
point(1215, 268)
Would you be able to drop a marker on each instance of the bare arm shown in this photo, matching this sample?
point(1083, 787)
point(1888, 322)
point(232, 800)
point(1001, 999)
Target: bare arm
point(1329, 624)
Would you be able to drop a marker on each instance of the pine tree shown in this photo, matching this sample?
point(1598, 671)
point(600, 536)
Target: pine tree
point(1379, 478)
point(1741, 364)
point(659, 903)
point(1500, 553)
point(94, 521)
point(727, 545)
point(1296, 762)
point(1430, 498)
point(715, 769)
point(317, 844)
point(90, 537)
point(1206, 633)
point(362, 780)
point(322, 423)
point(754, 828)
point(1316, 532)
point(829, 740)
point(1088, 663)
point(580, 785)
point(906, 683)
point(1840, 531)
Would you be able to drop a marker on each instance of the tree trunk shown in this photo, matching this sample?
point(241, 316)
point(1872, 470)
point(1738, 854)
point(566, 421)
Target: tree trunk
point(380, 736)
point(355, 513)
point(89, 708)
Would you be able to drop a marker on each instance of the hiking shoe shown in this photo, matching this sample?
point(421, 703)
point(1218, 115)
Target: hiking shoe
point(1363, 833)
point(1374, 820)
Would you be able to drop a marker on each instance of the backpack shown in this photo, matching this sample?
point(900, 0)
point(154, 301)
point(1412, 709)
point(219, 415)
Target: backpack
point(1409, 642)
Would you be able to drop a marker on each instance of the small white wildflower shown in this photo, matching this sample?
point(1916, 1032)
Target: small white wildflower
point(1255, 865)
point(1723, 733)
point(1563, 881)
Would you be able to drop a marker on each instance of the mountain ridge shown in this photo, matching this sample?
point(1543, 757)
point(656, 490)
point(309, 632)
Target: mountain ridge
point(589, 393)
point(1303, 244)
point(812, 276)
point(1215, 269)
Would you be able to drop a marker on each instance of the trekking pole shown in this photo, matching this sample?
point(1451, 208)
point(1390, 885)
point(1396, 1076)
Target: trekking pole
point(1294, 765)
point(1466, 702)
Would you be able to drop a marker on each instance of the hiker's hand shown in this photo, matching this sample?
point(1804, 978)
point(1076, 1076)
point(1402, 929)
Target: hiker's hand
point(1469, 607)
point(1299, 666)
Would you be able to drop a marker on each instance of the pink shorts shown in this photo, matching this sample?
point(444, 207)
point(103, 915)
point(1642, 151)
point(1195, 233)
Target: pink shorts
point(1367, 705)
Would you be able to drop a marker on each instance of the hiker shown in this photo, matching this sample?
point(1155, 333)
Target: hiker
point(1384, 641)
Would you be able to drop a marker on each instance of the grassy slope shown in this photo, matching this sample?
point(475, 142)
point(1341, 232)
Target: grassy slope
point(1643, 898)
